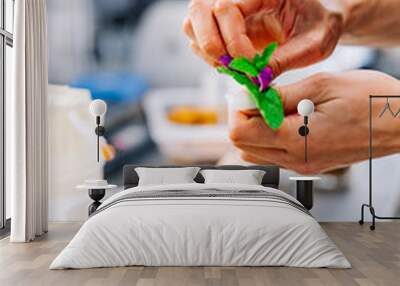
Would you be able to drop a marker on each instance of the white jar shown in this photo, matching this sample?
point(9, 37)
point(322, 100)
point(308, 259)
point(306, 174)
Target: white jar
point(239, 101)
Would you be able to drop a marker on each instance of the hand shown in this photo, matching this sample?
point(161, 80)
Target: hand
point(306, 31)
point(338, 127)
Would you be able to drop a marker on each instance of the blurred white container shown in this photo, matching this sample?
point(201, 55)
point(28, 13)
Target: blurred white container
point(71, 151)
point(161, 52)
point(179, 142)
point(238, 100)
point(71, 37)
point(343, 58)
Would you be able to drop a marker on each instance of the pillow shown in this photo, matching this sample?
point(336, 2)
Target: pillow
point(165, 176)
point(248, 177)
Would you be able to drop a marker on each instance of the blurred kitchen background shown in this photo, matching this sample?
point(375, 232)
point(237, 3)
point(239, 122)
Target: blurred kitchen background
point(165, 105)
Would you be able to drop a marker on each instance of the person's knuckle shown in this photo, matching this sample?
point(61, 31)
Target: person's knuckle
point(194, 47)
point(195, 5)
point(236, 136)
point(186, 27)
point(234, 47)
point(221, 6)
point(276, 66)
point(186, 24)
point(210, 47)
point(322, 80)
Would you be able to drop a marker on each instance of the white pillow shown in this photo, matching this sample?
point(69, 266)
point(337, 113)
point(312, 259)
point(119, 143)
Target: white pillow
point(165, 176)
point(248, 177)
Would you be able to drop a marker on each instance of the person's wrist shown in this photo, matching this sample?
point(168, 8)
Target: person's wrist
point(337, 13)
point(342, 7)
point(355, 17)
point(345, 8)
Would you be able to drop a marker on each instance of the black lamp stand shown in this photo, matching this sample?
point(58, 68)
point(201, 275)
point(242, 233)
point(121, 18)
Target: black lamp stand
point(96, 195)
point(303, 131)
point(100, 130)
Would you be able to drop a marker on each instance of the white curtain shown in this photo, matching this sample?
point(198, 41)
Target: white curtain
point(26, 123)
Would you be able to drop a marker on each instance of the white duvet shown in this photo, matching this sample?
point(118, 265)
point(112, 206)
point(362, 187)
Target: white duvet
point(200, 231)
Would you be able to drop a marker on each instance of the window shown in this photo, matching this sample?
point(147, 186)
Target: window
point(6, 43)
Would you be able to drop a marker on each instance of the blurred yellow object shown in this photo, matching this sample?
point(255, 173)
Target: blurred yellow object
point(193, 115)
point(108, 152)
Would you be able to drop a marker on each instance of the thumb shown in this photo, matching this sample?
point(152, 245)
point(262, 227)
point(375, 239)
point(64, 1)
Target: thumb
point(297, 52)
point(310, 88)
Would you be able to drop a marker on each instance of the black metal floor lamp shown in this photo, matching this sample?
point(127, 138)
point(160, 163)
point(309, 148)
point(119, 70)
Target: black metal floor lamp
point(305, 108)
point(370, 135)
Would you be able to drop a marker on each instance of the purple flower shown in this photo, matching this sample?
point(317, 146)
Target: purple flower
point(225, 60)
point(265, 77)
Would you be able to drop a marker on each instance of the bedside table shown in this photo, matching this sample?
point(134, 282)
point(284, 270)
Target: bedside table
point(304, 190)
point(96, 191)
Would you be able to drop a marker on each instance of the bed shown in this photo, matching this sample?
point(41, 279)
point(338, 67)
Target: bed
point(201, 224)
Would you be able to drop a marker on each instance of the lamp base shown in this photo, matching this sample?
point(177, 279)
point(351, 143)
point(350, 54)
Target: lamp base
point(96, 195)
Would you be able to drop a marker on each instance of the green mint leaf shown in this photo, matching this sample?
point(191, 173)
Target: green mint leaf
point(256, 58)
point(244, 65)
point(261, 61)
point(268, 102)
point(241, 79)
point(271, 108)
point(226, 71)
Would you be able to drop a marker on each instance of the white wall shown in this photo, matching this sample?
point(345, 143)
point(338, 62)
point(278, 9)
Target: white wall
point(72, 147)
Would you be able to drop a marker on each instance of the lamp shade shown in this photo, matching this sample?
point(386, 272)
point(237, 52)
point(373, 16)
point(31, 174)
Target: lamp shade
point(305, 107)
point(98, 107)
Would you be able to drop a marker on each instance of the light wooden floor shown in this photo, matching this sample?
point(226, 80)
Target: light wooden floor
point(375, 257)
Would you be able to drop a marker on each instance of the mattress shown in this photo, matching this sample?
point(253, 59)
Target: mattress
point(201, 225)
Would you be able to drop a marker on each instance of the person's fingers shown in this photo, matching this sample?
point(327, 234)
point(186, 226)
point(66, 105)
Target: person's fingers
point(205, 29)
point(188, 29)
point(264, 30)
point(196, 49)
point(247, 130)
point(255, 160)
point(301, 50)
point(253, 131)
point(232, 26)
point(251, 112)
point(310, 88)
point(275, 156)
point(248, 7)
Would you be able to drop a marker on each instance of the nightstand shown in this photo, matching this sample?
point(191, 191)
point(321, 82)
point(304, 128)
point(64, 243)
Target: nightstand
point(96, 190)
point(304, 190)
